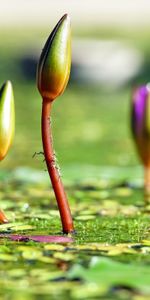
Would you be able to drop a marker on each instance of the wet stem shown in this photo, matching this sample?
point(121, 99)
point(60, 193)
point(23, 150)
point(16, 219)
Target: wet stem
point(57, 185)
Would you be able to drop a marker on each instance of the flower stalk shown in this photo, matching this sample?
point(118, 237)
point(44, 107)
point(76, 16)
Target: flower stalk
point(52, 77)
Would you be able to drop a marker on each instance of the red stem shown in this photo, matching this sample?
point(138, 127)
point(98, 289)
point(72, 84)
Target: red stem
point(60, 194)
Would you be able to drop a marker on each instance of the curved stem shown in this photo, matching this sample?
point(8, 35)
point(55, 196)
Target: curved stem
point(3, 218)
point(147, 185)
point(60, 194)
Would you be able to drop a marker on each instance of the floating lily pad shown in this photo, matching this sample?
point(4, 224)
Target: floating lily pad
point(109, 273)
point(111, 222)
point(85, 218)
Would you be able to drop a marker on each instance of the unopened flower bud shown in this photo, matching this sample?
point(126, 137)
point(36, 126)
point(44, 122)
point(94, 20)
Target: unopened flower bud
point(54, 64)
point(141, 122)
point(7, 118)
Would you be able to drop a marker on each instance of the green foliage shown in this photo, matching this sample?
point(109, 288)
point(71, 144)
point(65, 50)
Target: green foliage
point(111, 250)
point(105, 272)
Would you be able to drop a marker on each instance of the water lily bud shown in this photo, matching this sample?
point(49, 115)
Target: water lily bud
point(7, 118)
point(54, 64)
point(141, 122)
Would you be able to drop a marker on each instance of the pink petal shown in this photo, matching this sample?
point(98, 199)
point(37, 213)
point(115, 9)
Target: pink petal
point(51, 239)
point(38, 238)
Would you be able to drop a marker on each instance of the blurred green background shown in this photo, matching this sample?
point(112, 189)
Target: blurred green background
point(91, 121)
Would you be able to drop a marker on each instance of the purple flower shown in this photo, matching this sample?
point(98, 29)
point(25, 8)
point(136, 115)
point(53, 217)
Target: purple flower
point(141, 122)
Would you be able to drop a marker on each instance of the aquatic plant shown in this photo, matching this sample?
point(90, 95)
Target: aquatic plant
point(52, 77)
point(141, 130)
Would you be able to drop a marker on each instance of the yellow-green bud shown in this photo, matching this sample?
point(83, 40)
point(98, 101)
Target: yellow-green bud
point(7, 118)
point(54, 64)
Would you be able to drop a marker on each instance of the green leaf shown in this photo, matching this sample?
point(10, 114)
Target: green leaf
point(109, 273)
